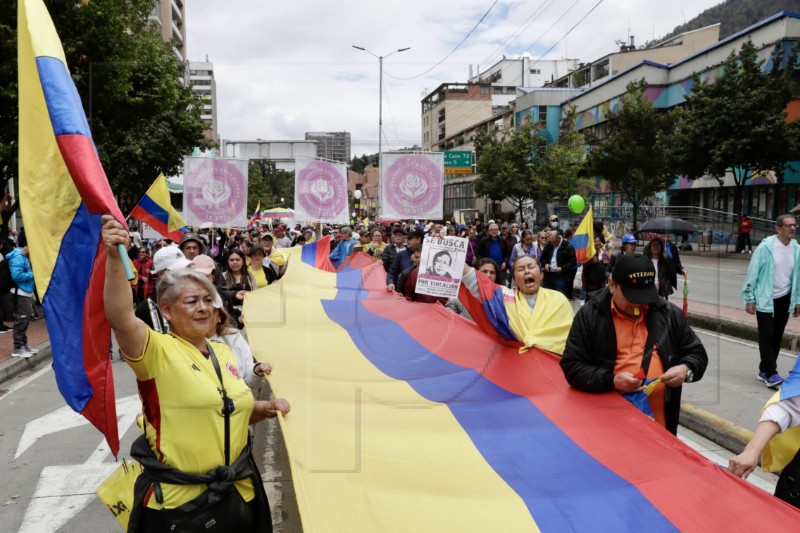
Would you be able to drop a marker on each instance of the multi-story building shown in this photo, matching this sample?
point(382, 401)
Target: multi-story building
point(667, 52)
point(668, 84)
point(524, 72)
point(282, 153)
point(201, 80)
point(334, 145)
point(169, 17)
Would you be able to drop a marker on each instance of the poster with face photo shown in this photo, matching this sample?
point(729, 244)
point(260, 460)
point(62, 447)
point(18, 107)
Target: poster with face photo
point(441, 266)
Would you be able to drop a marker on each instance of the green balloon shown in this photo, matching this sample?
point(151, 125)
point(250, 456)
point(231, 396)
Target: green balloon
point(576, 204)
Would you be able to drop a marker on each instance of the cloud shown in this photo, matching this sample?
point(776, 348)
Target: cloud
point(284, 68)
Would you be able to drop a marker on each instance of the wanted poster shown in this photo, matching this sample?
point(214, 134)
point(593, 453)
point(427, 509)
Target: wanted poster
point(441, 266)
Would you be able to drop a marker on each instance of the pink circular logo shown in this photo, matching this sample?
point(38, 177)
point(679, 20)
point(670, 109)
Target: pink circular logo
point(413, 185)
point(217, 191)
point(320, 191)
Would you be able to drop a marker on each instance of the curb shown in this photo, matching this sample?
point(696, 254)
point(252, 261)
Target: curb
point(727, 434)
point(15, 366)
point(791, 341)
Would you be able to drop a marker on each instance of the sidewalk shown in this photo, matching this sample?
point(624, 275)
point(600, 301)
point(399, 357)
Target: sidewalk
point(37, 337)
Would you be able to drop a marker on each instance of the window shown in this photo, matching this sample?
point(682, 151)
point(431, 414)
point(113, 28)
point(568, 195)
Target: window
point(543, 116)
point(484, 89)
point(536, 71)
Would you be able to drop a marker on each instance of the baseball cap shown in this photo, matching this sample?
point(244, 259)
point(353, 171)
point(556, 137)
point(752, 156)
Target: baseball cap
point(418, 233)
point(636, 277)
point(169, 258)
point(258, 248)
point(203, 264)
point(628, 238)
point(280, 228)
point(553, 217)
point(191, 237)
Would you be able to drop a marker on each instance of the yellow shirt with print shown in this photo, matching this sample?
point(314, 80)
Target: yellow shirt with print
point(182, 409)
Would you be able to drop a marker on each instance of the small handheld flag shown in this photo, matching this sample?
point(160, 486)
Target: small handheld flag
point(583, 240)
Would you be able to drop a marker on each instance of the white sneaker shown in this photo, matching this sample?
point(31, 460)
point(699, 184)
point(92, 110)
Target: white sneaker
point(743, 251)
point(20, 352)
point(749, 251)
point(28, 348)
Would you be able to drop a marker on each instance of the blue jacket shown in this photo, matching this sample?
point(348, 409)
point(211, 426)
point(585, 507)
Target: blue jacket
point(342, 251)
point(759, 281)
point(401, 262)
point(20, 267)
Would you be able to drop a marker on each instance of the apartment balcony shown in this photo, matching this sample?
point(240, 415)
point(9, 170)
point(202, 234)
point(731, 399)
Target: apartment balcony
point(176, 11)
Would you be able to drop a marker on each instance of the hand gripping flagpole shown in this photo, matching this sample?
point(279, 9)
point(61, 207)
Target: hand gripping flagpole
point(126, 262)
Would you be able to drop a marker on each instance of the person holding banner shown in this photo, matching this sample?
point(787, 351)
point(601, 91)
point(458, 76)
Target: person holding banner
point(526, 316)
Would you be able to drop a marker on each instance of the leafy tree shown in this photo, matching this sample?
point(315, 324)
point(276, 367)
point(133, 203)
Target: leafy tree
point(508, 165)
point(268, 185)
point(737, 124)
point(142, 116)
point(630, 156)
point(562, 171)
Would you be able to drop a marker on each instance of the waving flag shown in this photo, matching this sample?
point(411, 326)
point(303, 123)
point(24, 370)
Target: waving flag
point(783, 447)
point(583, 240)
point(256, 216)
point(407, 417)
point(63, 193)
point(155, 210)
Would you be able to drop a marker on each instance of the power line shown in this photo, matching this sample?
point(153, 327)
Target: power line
point(553, 25)
point(568, 31)
point(520, 30)
point(451, 51)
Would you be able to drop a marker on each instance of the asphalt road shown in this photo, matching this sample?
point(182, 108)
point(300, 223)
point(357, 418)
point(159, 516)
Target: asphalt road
point(714, 281)
point(53, 460)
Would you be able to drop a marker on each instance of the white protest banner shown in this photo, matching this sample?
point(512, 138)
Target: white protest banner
point(441, 266)
point(412, 185)
point(215, 192)
point(320, 191)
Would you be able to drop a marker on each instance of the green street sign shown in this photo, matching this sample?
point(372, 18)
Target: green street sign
point(458, 162)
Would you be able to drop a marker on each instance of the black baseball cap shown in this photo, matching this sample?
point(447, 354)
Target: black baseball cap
point(635, 276)
point(418, 233)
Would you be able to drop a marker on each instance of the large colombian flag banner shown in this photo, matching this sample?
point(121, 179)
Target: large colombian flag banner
point(63, 193)
point(406, 417)
point(155, 210)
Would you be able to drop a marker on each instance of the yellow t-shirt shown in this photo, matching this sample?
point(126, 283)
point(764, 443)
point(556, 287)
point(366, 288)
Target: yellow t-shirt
point(258, 274)
point(182, 409)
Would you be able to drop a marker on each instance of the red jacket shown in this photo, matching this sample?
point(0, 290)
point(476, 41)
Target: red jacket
point(745, 224)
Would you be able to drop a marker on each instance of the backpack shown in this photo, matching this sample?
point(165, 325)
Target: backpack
point(6, 281)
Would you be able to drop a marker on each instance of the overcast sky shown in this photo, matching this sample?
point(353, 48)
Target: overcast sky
point(284, 68)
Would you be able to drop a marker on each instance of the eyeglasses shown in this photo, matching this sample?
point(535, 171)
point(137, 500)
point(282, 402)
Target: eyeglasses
point(789, 225)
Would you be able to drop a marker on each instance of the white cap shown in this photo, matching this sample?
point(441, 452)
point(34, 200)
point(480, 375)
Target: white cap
point(169, 258)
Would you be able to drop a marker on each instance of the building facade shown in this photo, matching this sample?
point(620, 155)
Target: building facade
point(204, 88)
point(333, 145)
point(169, 16)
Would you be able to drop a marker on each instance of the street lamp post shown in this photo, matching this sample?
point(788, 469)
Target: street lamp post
point(380, 102)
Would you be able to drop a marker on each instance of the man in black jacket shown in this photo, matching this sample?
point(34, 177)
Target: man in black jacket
point(496, 248)
point(626, 332)
point(558, 262)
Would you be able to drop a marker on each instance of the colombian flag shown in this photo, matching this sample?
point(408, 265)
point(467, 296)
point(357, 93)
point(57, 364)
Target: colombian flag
point(255, 217)
point(63, 193)
point(407, 417)
point(314, 254)
point(583, 240)
point(783, 447)
point(155, 210)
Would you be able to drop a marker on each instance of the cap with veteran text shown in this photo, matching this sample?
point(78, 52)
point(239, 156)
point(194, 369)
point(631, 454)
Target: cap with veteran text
point(635, 275)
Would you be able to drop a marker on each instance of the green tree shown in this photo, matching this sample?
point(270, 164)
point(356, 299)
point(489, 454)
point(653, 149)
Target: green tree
point(562, 171)
point(268, 185)
point(630, 155)
point(142, 116)
point(508, 164)
point(737, 125)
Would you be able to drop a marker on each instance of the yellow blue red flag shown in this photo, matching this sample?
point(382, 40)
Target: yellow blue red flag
point(583, 240)
point(407, 417)
point(155, 210)
point(256, 216)
point(63, 193)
